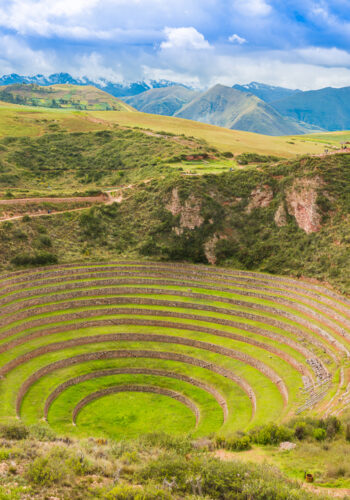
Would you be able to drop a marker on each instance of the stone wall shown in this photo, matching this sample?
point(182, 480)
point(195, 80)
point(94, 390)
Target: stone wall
point(137, 388)
point(136, 371)
point(122, 354)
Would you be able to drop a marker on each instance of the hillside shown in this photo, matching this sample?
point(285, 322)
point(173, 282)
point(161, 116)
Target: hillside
point(65, 96)
point(163, 101)
point(267, 93)
point(227, 107)
point(21, 121)
point(327, 108)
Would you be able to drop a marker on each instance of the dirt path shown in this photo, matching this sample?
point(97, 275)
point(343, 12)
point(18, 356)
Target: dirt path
point(108, 197)
point(17, 217)
point(74, 199)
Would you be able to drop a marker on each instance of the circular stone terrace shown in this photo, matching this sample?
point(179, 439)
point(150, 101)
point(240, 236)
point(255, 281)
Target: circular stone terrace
point(122, 348)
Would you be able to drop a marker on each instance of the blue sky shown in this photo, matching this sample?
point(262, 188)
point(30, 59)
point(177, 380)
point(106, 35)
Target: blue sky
point(295, 43)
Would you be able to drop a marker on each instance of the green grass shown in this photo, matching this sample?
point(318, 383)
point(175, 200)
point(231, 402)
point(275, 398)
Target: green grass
point(60, 414)
point(128, 415)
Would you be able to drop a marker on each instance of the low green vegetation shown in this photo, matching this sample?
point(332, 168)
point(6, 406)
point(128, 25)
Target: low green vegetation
point(155, 466)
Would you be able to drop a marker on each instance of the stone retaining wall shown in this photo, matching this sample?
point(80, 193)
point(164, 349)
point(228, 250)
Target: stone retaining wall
point(137, 388)
point(160, 324)
point(171, 265)
point(10, 277)
point(153, 291)
point(196, 277)
point(135, 337)
point(122, 354)
point(171, 303)
point(136, 371)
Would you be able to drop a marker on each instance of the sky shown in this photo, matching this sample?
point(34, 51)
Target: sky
point(292, 43)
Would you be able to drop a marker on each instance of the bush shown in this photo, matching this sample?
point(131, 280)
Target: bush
point(42, 432)
point(180, 444)
point(235, 443)
point(38, 259)
point(44, 241)
point(126, 492)
point(46, 471)
point(320, 434)
point(15, 431)
point(271, 434)
point(347, 432)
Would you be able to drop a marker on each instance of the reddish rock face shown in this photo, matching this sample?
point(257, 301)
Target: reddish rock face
point(260, 197)
point(301, 202)
point(189, 212)
point(280, 216)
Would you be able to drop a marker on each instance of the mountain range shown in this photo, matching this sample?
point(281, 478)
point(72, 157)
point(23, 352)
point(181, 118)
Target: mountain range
point(220, 105)
point(254, 107)
point(115, 89)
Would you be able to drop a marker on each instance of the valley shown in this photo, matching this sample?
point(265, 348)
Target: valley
point(174, 304)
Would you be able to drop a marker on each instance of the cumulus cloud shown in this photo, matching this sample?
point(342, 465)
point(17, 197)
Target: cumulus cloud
point(236, 39)
point(184, 38)
point(43, 17)
point(252, 7)
point(295, 43)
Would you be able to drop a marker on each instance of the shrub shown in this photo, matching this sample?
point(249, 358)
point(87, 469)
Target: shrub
point(44, 241)
point(38, 259)
point(271, 434)
point(46, 471)
point(320, 434)
point(235, 443)
point(180, 444)
point(126, 492)
point(347, 432)
point(42, 432)
point(15, 431)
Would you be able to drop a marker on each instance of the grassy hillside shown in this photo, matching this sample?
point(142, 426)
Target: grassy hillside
point(68, 161)
point(61, 96)
point(224, 215)
point(164, 101)
point(231, 108)
point(34, 121)
point(222, 106)
point(326, 108)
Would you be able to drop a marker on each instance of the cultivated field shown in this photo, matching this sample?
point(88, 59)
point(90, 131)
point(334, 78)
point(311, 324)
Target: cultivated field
point(123, 348)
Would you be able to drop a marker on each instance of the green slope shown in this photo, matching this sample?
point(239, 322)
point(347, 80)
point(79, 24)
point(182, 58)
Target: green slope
point(327, 108)
point(231, 108)
point(163, 101)
point(62, 96)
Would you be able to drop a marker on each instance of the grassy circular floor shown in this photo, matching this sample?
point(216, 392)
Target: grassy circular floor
point(127, 415)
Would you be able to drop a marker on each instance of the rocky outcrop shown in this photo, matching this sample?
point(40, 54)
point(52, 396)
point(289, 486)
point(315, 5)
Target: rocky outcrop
point(260, 197)
point(190, 211)
point(280, 216)
point(302, 204)
point(209, 247)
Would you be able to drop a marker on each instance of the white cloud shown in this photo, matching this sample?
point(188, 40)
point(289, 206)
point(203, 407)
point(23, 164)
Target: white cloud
point(184, 38)
point(324, 56)
point(45, 17)
point(94, 67)
point(252, 7)
point(16, 56)
point(237, 39)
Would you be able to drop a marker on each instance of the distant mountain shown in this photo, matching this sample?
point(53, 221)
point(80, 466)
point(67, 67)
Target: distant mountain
point(115, 89)
point(162, 101)
point(267, 93)
point(327, 108)
point(234, 109)
point(65, 96)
